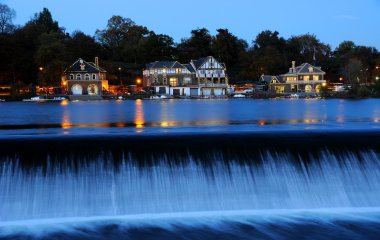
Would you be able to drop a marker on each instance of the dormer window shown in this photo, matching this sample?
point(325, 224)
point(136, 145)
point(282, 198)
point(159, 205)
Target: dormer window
point(78, 77)
point(82, 67)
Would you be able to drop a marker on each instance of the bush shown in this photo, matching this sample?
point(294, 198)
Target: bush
point(363, 92)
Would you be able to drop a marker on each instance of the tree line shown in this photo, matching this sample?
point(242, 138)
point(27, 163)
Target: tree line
point(38, 52)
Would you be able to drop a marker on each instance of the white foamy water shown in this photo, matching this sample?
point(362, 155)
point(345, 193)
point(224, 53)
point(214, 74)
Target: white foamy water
point(98, 188)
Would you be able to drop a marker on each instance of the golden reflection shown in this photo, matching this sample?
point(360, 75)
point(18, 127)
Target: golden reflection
point(262, 123)
point(66, 123)
point(139, 114)
point(120, 124)
point(64, 103)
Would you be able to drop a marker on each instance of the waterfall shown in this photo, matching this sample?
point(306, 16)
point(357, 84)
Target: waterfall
point(71, 186)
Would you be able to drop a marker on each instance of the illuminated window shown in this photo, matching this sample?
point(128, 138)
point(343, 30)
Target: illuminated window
point(173, 82)
point(315, 77)
point(280, 89)
point(306, 78)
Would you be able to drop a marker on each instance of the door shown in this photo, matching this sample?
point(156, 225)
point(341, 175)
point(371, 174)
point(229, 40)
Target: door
point(193, 92)
point(76, 89)
point(176, 92)
point(92, 89)
point(162, 90)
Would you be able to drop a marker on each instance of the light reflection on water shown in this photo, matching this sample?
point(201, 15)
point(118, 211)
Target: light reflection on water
point(176, 115)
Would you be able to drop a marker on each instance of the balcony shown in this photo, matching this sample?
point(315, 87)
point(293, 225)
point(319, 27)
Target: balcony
point(306, 82)
point(222, 85)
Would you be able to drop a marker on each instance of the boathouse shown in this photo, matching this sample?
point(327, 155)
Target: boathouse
point(304, 78)
point(85, 78)
point(203, 77)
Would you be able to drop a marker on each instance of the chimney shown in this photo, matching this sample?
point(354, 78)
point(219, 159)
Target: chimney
point(96, 62)
point(294, 64)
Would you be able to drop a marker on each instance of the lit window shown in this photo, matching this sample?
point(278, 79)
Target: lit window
point(306, 78)
point(315, 77)
point(173, 82)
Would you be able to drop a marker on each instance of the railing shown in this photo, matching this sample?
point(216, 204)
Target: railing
point(306, 82)
point(213, 85)
point(83, 79)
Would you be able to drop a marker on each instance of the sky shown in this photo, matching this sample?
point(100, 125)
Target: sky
point(332, 21)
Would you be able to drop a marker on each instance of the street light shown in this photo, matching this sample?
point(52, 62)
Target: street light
point(41, 68)
point(138, 81)
point(119, 69)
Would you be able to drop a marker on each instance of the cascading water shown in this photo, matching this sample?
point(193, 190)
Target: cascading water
point(99, 188)
point(223, 191)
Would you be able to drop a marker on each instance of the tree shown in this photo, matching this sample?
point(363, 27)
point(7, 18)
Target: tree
point(51, 56)
point(228, 48)
point(45, 20)
point(83, 46)
point(267, 56)
point(197, 46)
point(157, 47)
point(352, 72)
point(6, 17)
point(113, 36)
point(308, 48)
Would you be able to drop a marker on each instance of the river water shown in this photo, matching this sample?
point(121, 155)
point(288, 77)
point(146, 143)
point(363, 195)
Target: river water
point(190, 169)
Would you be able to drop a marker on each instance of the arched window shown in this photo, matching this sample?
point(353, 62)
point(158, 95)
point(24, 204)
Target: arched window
point(93, 76)
point(78, 77)
point(71, 76)
point(87, 76)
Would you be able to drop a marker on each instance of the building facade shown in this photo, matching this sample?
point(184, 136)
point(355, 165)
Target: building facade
point(304, 78)
point(202, 77)
point(85, 78)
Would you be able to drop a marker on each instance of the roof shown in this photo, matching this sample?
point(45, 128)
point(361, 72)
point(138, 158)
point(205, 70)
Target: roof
point(164, 64)
point(190, 68)
point(198, 63)
point(89, 67)
point(268, 78)
point(304, 69)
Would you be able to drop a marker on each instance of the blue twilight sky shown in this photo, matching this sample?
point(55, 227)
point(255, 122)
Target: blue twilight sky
point(333, 21)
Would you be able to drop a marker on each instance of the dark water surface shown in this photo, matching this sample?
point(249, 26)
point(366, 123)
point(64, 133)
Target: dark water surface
point(130, 117)
point(190, 169)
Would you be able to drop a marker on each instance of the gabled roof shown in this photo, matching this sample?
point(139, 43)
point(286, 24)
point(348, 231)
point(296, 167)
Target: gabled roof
point(190, 68)
point(268, 79)
point(89, 67)
point(304, 69)
point(198, 63)
point(164, 64)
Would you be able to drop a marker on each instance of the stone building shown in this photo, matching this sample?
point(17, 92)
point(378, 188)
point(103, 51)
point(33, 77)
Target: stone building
point(85, 78)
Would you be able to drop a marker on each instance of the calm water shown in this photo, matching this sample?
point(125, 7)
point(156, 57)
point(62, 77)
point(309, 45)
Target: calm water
point(130, 117)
